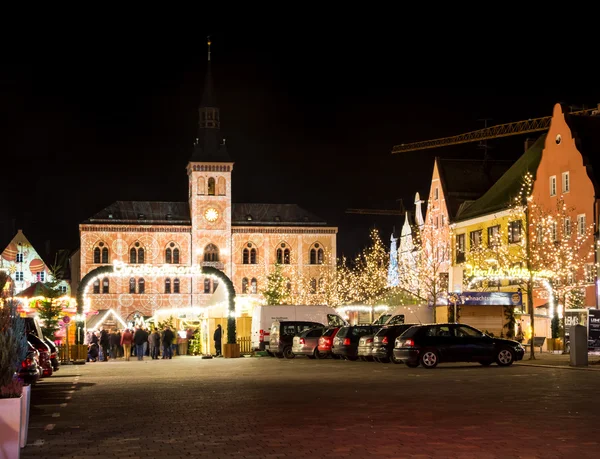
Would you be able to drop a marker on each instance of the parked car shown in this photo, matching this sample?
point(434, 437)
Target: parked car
point(384, 340)
point(326, 341)
point(282, 336)
point(263, 317)
point(30, 371)
point(429, 345)
point(307, 343)
point(53, 354)
point(44, 352)
point(346, 341)
point(365, 348)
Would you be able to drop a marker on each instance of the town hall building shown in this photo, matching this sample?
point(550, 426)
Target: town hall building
point(245, 241)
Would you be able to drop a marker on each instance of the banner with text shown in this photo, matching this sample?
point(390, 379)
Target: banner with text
point(486, 298)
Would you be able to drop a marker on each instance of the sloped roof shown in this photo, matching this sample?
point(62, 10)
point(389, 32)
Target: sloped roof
point(143, 212)
point(499, 196)
point(34, 290)
point(586, 131)
point(273, 215)
point(467, 180)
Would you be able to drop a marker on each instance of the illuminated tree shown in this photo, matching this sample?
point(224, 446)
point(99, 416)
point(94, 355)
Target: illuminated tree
point(278, 288)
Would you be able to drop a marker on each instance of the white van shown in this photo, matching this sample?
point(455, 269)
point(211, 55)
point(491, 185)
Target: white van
point(410, 314)
point(264, 316)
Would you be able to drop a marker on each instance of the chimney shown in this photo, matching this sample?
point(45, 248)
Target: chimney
point(529, 143)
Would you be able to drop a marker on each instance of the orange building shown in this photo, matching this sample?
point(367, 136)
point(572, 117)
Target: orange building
point(245, 241)
point(566, 171)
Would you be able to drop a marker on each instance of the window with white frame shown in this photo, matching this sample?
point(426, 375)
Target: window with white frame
point(581, 224)
point(567, 227)
point(566, 182)
point(19, 276)
point(554, 231)
point(590, 273)
point(553, 185)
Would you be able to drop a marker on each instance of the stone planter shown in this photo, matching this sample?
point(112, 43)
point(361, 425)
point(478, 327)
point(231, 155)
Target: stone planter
point(10, 428)
point(231, 351)
point(25, 402)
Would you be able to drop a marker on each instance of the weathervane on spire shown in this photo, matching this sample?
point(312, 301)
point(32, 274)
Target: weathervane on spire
point(208, 42)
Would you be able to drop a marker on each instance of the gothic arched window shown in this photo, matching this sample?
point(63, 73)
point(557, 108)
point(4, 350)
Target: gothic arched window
point(141, 285)
point(211, 186)
point(316, 254)
point(245, 285)
point(211, 253)
point(167, 285)
point(105, 285)
point(221, 186)
point(253, 285)
point(132, 285)
point(97, 255)
point(96, 286)
point(175, 285)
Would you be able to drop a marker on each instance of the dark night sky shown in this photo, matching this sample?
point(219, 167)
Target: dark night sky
point(305, 122)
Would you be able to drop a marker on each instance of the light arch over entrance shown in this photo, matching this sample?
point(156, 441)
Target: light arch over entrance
point(120, 269)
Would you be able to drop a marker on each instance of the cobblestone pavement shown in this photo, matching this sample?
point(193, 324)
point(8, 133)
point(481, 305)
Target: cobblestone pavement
point(272, 408)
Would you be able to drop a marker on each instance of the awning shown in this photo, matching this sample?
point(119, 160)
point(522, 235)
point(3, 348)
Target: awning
point(105, 316)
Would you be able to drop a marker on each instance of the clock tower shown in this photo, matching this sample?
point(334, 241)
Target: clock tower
point(209, 175)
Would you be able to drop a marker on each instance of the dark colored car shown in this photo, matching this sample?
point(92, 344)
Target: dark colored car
point(429, 345)
point(326, 341)
point(44, 351)
point(345, 343)
point(53, 354)
point(282, 336)
point(384, 340)
point(30, 371)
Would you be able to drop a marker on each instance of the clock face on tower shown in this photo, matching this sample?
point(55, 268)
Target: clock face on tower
point(211, 214)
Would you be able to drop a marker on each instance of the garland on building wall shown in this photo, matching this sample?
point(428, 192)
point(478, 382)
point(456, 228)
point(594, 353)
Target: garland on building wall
point(89, 277)
point(231, 331)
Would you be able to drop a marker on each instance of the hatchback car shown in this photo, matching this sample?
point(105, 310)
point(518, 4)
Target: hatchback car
point(429, 345)
point(384, 340)
point(346, 341)
point(307, 343)
point(326, 341)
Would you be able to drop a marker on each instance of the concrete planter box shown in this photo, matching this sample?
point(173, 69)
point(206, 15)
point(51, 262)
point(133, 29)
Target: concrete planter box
point(25, 402)
point(10, 428)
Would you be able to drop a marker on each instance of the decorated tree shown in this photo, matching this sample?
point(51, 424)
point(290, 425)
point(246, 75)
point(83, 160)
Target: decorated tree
point(369, 279)
point(576, 299)
point(278, 289)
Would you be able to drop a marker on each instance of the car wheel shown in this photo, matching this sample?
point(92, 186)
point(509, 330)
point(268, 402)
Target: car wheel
point(287, 353)
point(505, 357)
point(319, 355)
point(429, 359)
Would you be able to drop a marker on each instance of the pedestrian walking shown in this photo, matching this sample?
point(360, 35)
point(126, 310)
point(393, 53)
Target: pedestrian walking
point(126, 340)
point(140, 337)
point(168, 337)
point(217, 337)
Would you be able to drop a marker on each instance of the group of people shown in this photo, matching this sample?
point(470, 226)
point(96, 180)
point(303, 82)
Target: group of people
point(104, 345)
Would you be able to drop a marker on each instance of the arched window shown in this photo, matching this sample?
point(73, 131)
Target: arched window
point(321, 284)
point(136, 254)
point(168, 255)
point(97, 255)
point(105, 285)
point(253, 285)
point(101, 253)
point(221, 186)
point(175, 285)
point(211, 253)
point(206, 285)
point(313, 285)
point(283, 254)
point(96, 286)
point(245, 285)
point(201, 185)
point(172, 254)
point(167, 285)
point(141, 285)
point(252, 256)
point(211, 186)
point(249, 255)
point(176, 256)
point(104, 254)
point(141, 255)
point(246, 257)
point(132, 285)
point(316, 254)
point(132, 256)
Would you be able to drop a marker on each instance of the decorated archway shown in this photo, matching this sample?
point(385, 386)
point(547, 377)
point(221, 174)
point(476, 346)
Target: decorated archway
point(120, 269)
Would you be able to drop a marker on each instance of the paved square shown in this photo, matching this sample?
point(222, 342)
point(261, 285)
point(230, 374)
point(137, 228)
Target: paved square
point(272, 408)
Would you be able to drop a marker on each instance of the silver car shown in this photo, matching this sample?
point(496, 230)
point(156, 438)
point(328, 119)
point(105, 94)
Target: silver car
point(307, 342)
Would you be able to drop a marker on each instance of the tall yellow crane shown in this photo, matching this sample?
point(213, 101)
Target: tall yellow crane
point(487, 133)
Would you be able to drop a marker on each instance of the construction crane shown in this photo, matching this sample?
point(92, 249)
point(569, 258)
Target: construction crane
point(493, 132)
point(374, 212)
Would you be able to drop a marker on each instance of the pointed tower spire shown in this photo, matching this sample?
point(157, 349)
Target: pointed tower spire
point(209, 146)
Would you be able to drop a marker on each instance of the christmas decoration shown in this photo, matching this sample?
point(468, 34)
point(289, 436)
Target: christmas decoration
point(393, 277)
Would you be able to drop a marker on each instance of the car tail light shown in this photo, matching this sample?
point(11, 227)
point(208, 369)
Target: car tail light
point(27, 362)
point(369, 340)
point(261, 337)
point(408, 343)
point(346, 342)
point(53, 355)
point(384, 340)
point(324, 340)
point(301, 341)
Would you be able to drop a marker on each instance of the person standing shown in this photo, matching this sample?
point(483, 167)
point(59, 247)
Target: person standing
point(168, 337)
point(126, 340)
point(217, 337)
point(105, 344)
point(154, 342)
point(140, 337)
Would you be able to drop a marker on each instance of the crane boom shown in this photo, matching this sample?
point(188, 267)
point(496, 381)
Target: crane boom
point(501, 130)
point(374, 212)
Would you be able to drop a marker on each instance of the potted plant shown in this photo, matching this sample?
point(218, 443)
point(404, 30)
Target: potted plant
point(13, 348)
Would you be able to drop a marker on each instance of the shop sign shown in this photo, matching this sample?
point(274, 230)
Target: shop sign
point(594, 328)
point(486, 298)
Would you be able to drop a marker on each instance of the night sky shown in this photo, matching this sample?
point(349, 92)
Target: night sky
point(305, 122)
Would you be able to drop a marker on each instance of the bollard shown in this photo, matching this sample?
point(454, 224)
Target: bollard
point(579, 346)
